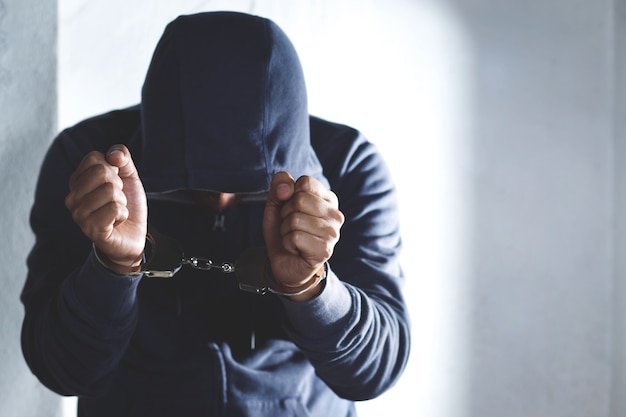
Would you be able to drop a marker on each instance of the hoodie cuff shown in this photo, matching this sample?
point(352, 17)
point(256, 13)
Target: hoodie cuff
point(324, 314)
point(102, 292)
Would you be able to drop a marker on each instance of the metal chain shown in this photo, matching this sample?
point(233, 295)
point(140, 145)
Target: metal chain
point(207, 264)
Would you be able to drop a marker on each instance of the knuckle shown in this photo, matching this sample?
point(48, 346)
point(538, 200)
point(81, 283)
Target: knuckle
point(68, 201)
point(76, 217)
point(333, 233)
point(295, 239)
point(327, 251)
point(323, 250)
point(121, 197)
point(337, 216)
point(294, 221)
point(305, 183)
point(100, 171)
point(108, 188)
point(105, 173)
point(299, 201)
point(93, 157)
point(333, 197)
point(117, 207)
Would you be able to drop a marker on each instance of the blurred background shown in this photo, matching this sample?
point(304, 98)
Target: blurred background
point(503, 124)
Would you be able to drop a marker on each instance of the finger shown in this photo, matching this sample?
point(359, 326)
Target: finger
point(91, 179)
point(119, 156)
point(99, 224)
point(92, 158)
point(88, 162)
point(305, 203)
point(312, 249)
point(323, 228)
point(315, 205)
point(311, 185)
point(281, 189)
point(105, 194)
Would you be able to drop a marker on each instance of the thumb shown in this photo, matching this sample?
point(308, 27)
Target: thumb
point(281, 190)
point(119, 156)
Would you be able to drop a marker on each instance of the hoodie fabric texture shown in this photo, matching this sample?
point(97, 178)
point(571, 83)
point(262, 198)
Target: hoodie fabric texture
point(223, 108)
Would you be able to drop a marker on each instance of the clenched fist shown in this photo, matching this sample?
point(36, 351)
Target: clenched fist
point(301, 226)
point(107, 200)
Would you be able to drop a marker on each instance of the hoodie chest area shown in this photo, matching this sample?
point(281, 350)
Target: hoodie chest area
point(218, 236)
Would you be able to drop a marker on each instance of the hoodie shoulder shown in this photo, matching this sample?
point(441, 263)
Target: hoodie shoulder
point(100, 132)
point(103, 130)
point(338, 147)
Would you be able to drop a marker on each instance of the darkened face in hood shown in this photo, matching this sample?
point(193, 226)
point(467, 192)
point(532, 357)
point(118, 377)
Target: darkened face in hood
point(224, 107)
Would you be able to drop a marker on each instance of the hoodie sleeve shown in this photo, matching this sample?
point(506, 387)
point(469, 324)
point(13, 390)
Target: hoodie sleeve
point(79, 316)
point(356, 332)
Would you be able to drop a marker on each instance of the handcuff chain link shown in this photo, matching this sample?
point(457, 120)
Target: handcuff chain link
point(207, 264)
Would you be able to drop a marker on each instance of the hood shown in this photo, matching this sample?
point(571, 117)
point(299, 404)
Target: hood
point(224, 107)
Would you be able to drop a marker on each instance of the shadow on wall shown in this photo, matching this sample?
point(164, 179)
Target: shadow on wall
point(4, 72)
point(538, 279)
point(28, 109)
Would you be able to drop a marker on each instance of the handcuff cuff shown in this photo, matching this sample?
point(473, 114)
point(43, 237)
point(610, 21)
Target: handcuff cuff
point(164, 257)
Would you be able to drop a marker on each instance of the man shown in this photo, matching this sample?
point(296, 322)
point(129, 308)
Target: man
point(221, 156)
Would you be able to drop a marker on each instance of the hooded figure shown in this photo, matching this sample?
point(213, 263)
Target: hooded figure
point(225, 96)
point(223, 109)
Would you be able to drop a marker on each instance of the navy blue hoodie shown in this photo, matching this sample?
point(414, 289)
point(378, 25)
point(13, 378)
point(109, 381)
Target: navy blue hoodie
point(223, 108)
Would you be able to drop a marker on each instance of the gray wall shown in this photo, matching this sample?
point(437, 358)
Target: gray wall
point(540, 311)
point(27, 123)
point(618, 362)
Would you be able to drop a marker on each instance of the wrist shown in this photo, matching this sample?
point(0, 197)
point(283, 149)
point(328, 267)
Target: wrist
point(134, 267)
point(308, 290)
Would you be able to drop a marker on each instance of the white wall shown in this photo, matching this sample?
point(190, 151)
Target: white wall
point(347, 47)
point(503, 124)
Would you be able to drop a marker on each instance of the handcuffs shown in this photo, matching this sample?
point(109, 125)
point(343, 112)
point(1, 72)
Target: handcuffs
point(164, 257)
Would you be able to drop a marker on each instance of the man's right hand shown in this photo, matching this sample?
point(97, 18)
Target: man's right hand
point(107, 200)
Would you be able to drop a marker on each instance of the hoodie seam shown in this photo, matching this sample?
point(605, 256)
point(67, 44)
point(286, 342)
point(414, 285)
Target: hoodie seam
point(266, 103)
point(181, 111)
